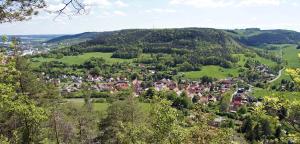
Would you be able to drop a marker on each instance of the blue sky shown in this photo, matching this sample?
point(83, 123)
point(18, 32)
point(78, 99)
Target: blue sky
point(107, 15)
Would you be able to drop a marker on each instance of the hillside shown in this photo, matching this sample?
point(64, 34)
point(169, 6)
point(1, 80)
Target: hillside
point(159, 39)
point(77, 37)
point(185, 37)
point(257, 37)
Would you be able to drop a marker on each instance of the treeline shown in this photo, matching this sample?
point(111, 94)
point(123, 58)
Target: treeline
point(269, 55)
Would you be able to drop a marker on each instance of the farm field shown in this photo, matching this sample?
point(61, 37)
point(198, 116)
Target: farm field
point(81, 58)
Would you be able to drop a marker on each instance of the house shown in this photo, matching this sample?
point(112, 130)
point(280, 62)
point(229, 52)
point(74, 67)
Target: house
point(121, 85)
point(105, 87)
point(171, 85)
point(204, 99)
point(137, 86)
point(217, 122)
point(159, 86)
point(237, 101)
point(211, 98)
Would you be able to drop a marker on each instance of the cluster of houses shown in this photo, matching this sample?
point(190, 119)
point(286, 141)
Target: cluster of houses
point(242, 97)
point(206, 92)
point(99, 83)
point(265, 72)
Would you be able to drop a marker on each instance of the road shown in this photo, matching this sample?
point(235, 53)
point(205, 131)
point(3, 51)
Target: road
point(278, 76)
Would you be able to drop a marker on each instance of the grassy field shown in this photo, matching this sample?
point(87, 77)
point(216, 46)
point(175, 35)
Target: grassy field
point(212, 71)
point(243, 59)
point(290, 56)
point(219, 72)
point(81, 58)
point(258, 92)
point(102, 107)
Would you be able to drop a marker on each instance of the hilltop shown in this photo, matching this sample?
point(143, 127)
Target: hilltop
point(257, 37)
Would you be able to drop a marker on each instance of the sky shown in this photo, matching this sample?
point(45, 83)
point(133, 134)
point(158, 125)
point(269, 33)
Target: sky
point(108, 15)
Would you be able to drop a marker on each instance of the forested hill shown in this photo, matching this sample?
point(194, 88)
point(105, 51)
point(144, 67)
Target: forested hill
point(184, 38)
point(77, 37)
point(201, 46)
point(257, 37)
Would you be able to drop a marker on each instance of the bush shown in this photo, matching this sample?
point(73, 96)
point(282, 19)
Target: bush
point(100, 95)
point(100, 100)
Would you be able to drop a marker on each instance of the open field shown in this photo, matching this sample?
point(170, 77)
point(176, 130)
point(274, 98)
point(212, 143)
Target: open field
point(243, 59)
point(212, 71)
point(290, 56)
point(81, 58)
point(258, 92)
point(102, 107)
point(219, 72)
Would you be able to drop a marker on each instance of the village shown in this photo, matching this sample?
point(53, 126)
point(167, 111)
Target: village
point(204, 92)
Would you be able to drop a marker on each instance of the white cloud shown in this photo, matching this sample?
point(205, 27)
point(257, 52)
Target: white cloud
point(159, 10)
point(226, 3)
point(119, 13)
point(109, 14)
point(119, 3)
point(97, 2)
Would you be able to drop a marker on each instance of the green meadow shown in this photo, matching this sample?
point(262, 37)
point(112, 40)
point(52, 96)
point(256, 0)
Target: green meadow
point(79, 59)
point(292, 60)
point(212, 71)
point(219, 72)
point(290, 55)
point(102, 107)
point(292, 96)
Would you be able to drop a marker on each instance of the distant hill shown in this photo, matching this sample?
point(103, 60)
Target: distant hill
point(187, 38)
point(200, 46)
point(33, 38)
point(77, 38)
point(257, 37)
point(183, 36)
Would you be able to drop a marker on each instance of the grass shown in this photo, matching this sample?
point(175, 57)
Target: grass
point(212, 71)
point(102, 107)
point(292, 96)
point(243, 59)
point(220, 73)
point(290, 55)
point(81, 58)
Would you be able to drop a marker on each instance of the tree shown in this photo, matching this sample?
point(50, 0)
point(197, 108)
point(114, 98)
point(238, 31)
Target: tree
point(247, 125)
point(182, 102)
point(165, 124)
point(202, 133)
point(150, 93)
point(125, 123)
point(266, 128)
point(11, 10)
point(20, 10)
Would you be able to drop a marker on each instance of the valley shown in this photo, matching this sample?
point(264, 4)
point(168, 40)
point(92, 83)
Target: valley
point(220, 71)
point(149, 72)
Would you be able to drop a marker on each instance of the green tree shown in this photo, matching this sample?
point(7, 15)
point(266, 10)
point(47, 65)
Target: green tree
point(125, 123)
point(165, 124)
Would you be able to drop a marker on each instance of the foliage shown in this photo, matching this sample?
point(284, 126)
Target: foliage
point(12, 11)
